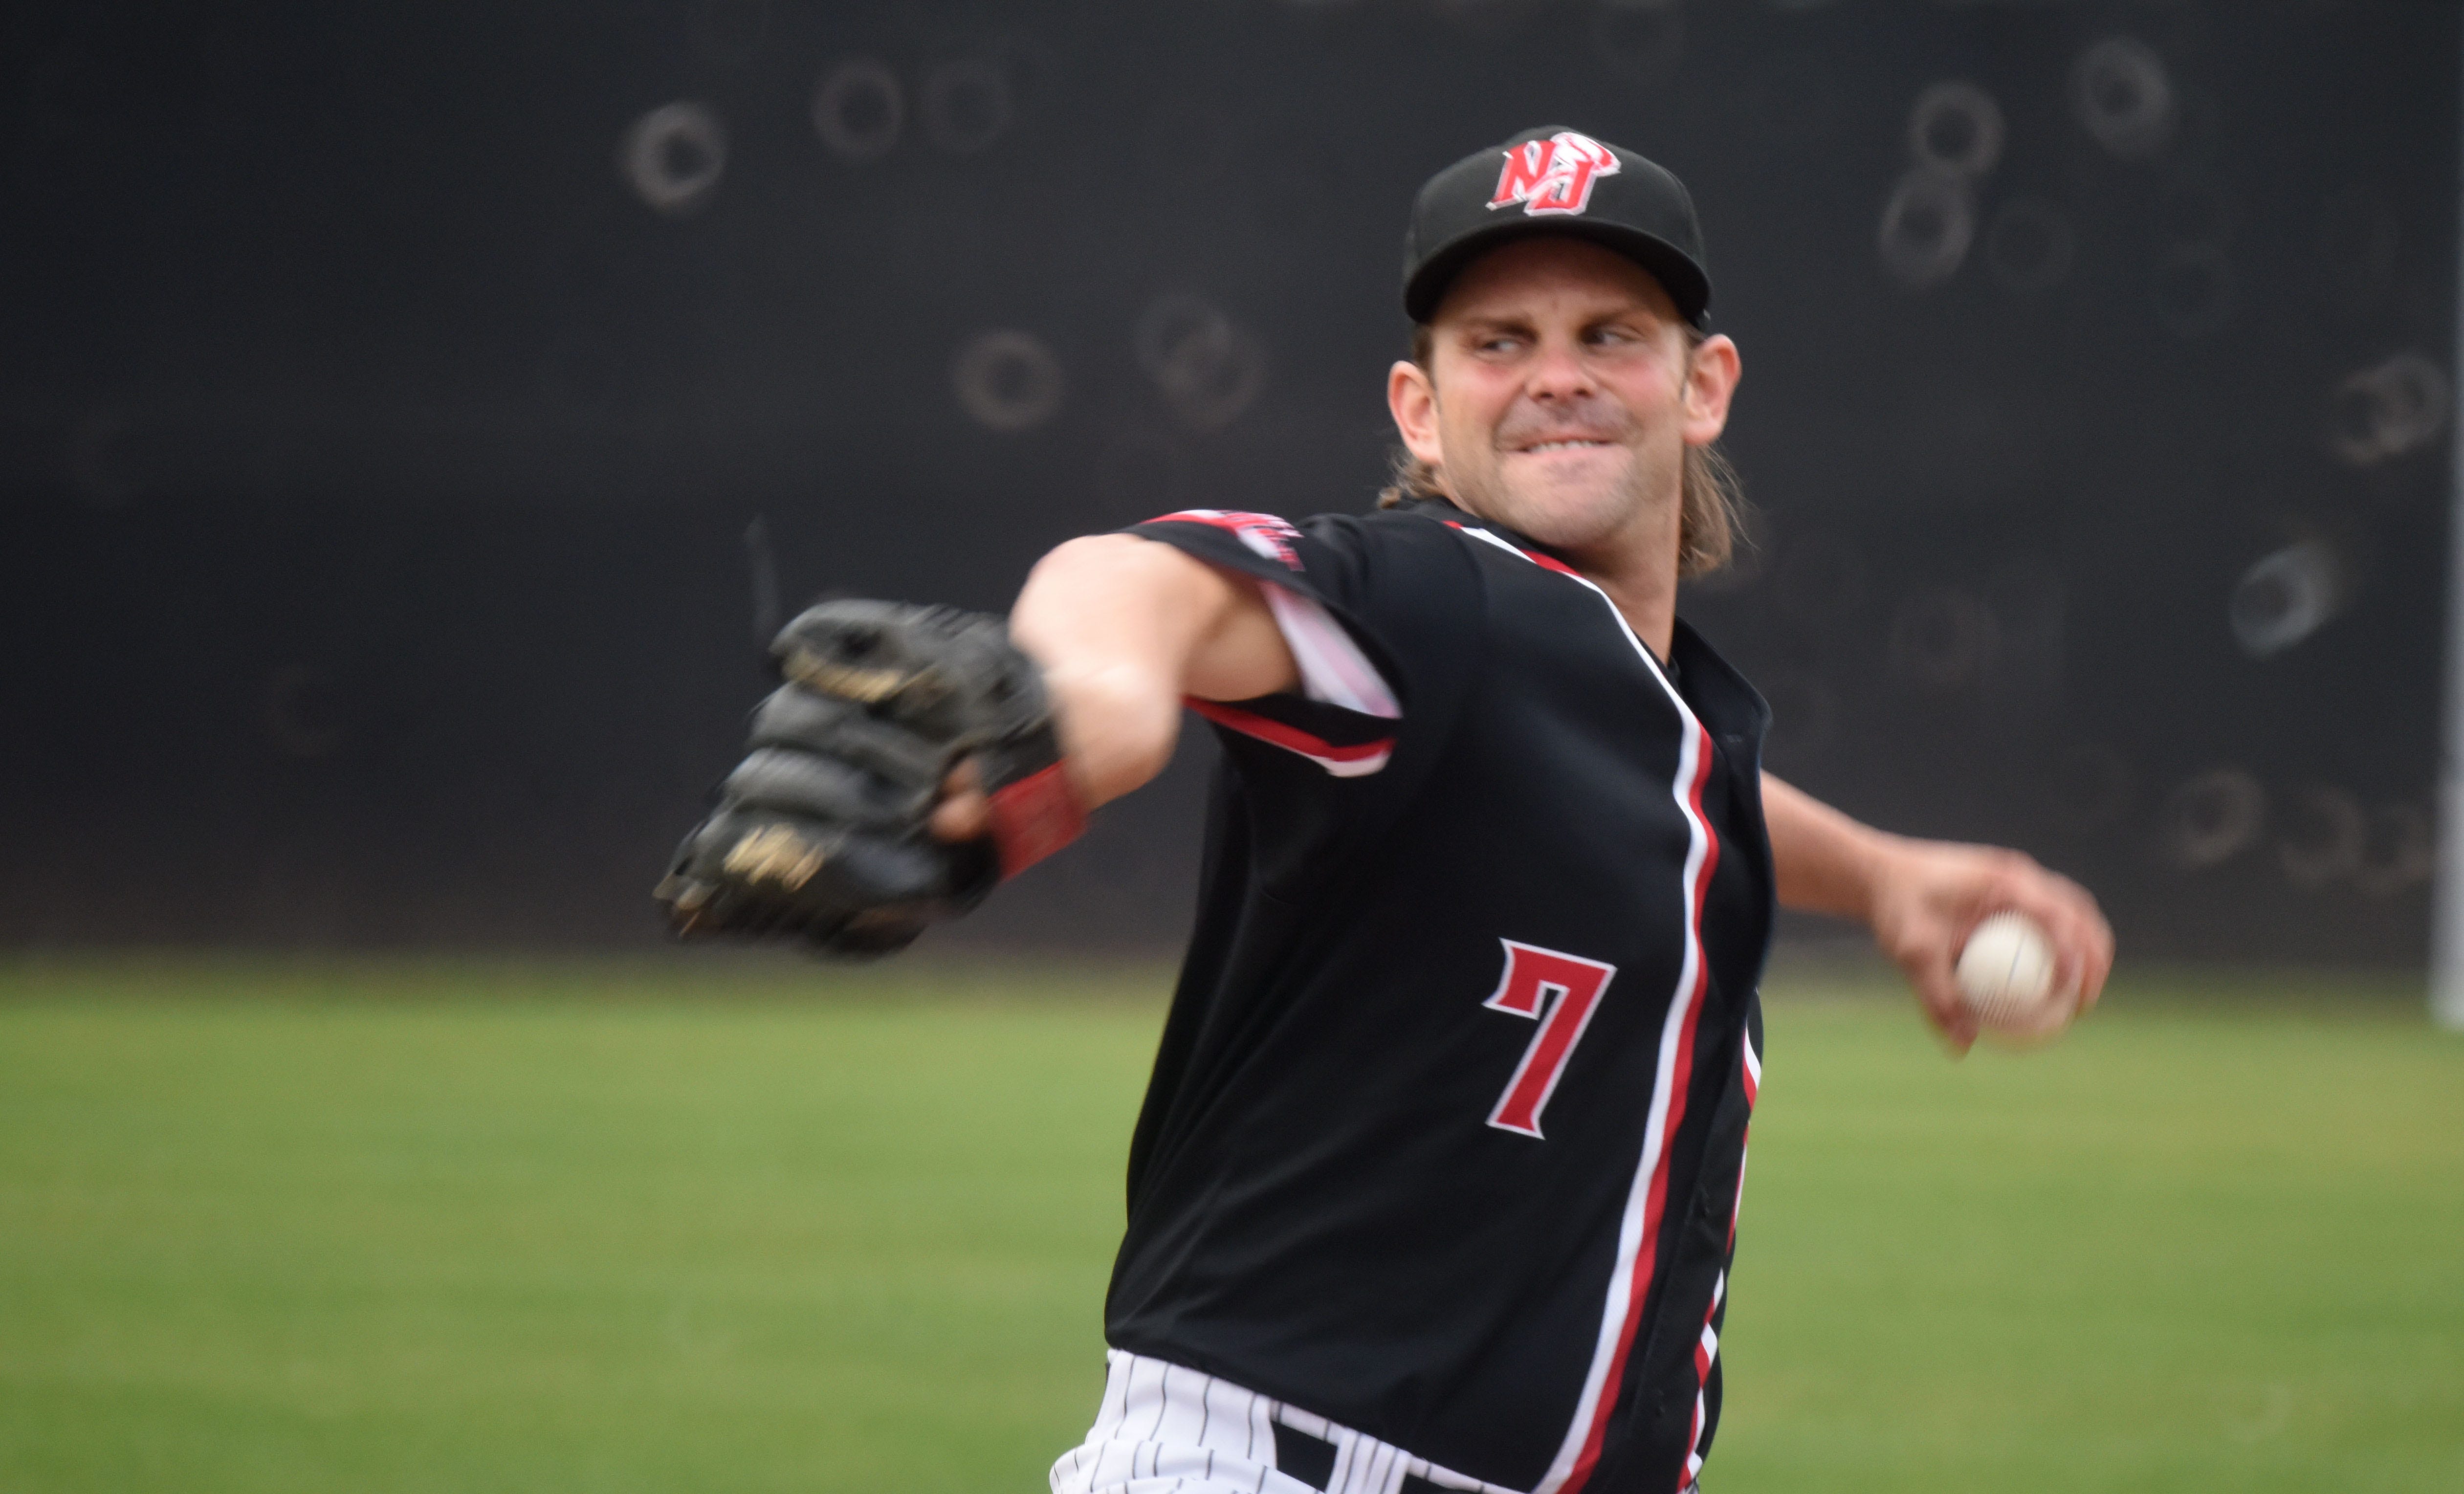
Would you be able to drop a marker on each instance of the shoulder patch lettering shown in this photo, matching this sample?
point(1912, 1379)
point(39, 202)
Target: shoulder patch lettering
point(1263, 532)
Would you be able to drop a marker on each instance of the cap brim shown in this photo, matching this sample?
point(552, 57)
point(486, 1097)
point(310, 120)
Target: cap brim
point(1677, 273)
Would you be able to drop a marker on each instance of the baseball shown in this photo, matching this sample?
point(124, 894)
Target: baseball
point(2006, 979)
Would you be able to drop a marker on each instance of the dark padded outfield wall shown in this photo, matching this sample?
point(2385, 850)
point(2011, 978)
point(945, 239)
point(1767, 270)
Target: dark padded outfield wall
point(409, 417)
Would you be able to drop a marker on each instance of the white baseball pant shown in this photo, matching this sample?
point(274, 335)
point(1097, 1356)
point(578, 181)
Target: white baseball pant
point(1168, 1429)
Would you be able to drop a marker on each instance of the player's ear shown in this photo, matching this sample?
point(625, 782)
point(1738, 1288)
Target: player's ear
point(1711, 377)
point(1412, 401)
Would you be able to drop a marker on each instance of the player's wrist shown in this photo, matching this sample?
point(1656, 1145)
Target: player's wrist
point(1034, 816)
point(1117, 725)
point(1886, 874)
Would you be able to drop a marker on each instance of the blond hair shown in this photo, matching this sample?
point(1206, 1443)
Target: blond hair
point(1712, 502)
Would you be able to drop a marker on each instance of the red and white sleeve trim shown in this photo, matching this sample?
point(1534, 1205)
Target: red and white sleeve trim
point(1333, 667)
point(1334, 671)
point(1343, 761)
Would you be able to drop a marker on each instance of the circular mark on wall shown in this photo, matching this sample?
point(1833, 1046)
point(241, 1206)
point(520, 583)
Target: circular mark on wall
point(858, 109)
point(2030, 246)
point(1639, 39)
point(2194, 291)
point(674, 156)
point(1139, 476)
point(1927, 223)
point(1208, 368)
point(2212, 818)
point(1007, 379)
point(1943, 640)
point(2123, 97)
point(967, 105)
point(2400, 851)
point(2389, 409)
point(301, 714)
point(2285, 597)
point(1956, 129)
point(2321, 836)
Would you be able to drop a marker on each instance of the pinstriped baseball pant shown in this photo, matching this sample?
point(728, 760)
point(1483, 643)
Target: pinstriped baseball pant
point(1166, 1429)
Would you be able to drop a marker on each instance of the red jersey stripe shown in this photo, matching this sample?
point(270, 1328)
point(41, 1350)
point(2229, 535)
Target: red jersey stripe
point(1291, 739)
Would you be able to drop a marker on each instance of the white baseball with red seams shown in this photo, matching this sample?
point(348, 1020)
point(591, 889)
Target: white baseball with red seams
point(2006, 980)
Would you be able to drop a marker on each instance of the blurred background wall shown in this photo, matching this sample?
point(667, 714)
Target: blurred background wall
point(411, 416)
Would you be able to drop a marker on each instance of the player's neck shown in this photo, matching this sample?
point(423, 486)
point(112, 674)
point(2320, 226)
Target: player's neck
point(1636, 567)
point(1646, 598)
point(1638, 570)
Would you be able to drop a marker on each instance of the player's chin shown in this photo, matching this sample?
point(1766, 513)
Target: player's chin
point(1570, 505)
point(1576, 477)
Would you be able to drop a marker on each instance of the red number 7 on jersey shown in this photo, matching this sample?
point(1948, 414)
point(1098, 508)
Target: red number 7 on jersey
point(1532, 975)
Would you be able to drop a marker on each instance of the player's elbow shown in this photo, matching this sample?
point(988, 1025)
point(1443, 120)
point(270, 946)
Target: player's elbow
point(1100, 617)
point(1086, 569)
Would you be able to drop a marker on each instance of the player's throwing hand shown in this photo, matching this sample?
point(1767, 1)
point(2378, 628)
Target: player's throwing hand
point(1930, 895)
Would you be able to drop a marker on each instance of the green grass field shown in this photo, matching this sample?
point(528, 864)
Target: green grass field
point(753, 1226)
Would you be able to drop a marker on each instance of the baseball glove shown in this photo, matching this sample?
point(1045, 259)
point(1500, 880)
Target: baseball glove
point(824, 830)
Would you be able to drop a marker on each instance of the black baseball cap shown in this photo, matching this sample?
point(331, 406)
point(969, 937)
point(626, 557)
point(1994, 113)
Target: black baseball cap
point(1555, 179)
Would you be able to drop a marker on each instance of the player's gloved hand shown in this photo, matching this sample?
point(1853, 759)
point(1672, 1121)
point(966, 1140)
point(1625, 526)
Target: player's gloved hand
point(825, 829)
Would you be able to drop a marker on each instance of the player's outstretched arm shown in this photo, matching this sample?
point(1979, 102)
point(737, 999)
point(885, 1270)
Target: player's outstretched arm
point(1922, 899)
point(822, 831)
point(1123, 628)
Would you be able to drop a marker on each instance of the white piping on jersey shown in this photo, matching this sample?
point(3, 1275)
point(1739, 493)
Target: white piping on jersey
point(1606, 1354)
point(1710, 1352)
point(1705, 1352)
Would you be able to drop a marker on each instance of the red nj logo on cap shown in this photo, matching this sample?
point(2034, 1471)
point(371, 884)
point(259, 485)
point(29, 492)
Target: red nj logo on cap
point(1552, 175)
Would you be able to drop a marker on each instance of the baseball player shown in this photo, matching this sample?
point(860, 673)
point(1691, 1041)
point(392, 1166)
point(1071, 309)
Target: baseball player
point(1436, 1182)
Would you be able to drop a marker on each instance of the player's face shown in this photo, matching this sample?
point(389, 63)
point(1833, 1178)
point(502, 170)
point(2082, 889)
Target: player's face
point(1560, 396)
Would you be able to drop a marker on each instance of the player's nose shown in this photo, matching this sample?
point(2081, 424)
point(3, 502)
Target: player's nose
point(1557, 372)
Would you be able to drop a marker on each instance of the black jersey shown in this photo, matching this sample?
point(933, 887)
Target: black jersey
point(1448, 1125)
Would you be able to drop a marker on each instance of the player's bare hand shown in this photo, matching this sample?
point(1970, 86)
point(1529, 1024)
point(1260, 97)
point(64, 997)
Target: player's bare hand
point(1928, 896)
point(964, 813)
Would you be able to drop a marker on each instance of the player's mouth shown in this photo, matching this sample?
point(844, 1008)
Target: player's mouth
point(1561, 445)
